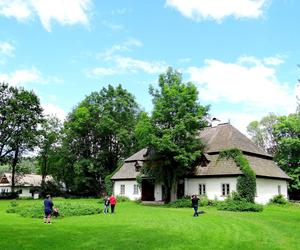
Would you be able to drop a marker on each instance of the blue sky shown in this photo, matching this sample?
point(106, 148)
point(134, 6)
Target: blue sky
point(242, 55)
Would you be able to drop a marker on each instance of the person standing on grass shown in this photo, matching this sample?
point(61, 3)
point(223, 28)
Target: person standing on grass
point(48, 206)
point(106, 205)
point(195, 204)
point(113, 202)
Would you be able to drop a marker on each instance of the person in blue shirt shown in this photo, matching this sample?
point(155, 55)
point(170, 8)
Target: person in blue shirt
point(48, 207)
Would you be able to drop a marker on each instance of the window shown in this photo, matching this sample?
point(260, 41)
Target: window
point(20, 191)
point(135, 189)
point(279, 189)
point(122, 189)
point(225, 189)
point(202, 189)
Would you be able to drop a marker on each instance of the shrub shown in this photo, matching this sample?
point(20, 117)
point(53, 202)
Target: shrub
point(278, 199)
point(8, 195)
point(204, 201)
point(237, 203)
point(185, 202)
point(121, 198)
point(66, 209)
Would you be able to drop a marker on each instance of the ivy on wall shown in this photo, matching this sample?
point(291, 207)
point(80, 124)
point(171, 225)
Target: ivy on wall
point(246, 183)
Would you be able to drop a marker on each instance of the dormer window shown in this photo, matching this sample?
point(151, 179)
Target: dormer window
point(138, 166)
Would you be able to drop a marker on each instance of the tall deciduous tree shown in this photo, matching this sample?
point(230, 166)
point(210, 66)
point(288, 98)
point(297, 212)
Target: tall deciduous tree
point(261, 133)
point(287, 134)
point(171, 132)
point(20, 114)
point(100, 133)
point(49, 141)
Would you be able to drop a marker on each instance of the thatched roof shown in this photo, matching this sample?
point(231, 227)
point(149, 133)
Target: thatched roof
point(216, 139)
point(24, 180)
point(225, 136)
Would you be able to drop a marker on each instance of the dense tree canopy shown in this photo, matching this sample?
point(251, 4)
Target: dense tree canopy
point(280, 136)
point(171, 132)
point(99, 133)
point(20, 114)
point(261, 133)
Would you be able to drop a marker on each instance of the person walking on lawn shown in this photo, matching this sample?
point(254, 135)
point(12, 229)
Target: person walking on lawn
point(113, 202)
point(106, 205)
point(48, 206)
point(195, 201)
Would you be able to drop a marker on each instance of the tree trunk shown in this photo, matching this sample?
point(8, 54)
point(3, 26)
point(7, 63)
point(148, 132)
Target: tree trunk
point(167, 195)
point(13, 170)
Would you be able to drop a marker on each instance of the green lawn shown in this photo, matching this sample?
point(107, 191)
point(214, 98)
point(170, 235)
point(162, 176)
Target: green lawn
point(146, 227)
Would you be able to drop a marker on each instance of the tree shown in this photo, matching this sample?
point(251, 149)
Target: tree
point(20, 114)
point(287, 135)
point(261, 133)
point(280, 136)
point(49, 141)
point(171, 132)
point(100, 133)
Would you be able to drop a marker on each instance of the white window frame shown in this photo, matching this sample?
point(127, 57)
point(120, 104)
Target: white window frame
point(226, 189)
point(135, 189)
point(202, 189)
point(122, 189)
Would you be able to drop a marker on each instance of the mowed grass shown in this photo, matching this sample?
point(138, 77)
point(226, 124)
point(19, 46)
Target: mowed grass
point(137, 226)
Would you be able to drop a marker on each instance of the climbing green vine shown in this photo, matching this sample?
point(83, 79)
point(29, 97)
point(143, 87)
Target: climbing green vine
point(246, 183)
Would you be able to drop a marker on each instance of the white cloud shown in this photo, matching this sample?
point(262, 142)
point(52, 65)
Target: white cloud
point(101, 71)
point(121, 47)
point(22, 77)
point(276, 60)
point(134, 65)
point(65, 12)
point(112, 26)
point(6, 49)
point(52, 109)
point(120, 64)
point(124, 64)
point(249, 82)
point(218, 9)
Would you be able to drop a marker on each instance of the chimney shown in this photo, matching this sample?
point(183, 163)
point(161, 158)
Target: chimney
point(215, 122)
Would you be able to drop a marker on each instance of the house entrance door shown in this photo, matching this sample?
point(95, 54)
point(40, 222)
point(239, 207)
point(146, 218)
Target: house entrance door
point(147, 190)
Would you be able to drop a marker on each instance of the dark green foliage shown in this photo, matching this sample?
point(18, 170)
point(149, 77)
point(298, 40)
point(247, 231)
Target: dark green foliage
point(108, 184)
point(66, 209)
point(279, 199)
point(49, 141)
point(185, 202)
point(9, 195)
point(171, 131)
point(280, 136)
point(246, 183)
point(20, 115)
point(51, 188)
point(287, 134)
point(238, 204)
point(99, 133)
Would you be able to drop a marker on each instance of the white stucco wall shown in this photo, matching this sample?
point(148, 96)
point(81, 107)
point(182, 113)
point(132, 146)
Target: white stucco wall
point(213, 186)
point(25, 192)
point(129, 184)
point(268, 188)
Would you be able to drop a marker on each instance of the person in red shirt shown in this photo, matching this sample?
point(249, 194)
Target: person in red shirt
point(113, 202)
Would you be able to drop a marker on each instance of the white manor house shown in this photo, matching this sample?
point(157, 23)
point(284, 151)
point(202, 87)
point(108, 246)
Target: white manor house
point(213, 178)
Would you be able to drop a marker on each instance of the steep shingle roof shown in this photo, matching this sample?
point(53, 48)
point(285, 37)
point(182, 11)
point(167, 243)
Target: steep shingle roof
point(221, 137)
point(225, 136)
